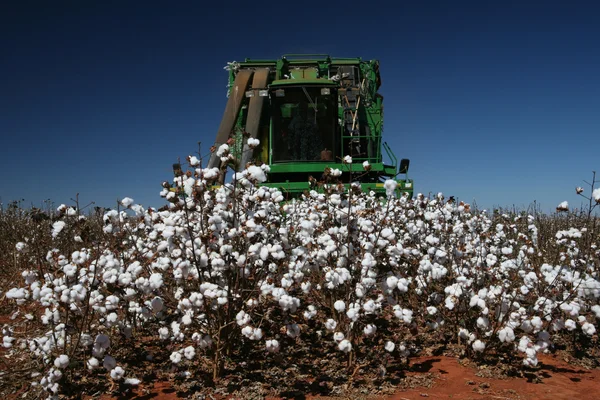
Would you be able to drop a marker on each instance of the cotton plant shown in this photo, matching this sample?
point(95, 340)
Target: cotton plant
point(220, 269)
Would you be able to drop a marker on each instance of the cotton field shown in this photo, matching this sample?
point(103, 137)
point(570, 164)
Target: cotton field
point(219, 274)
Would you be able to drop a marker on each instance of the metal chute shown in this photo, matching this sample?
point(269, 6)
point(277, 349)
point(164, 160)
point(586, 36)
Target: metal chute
point(254, 112)
point(232, 109)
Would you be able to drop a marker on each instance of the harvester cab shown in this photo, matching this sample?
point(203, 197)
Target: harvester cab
point(309, 112)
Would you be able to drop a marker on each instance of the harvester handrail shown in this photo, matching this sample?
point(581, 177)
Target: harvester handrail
point(325, 56)
point(390, 154)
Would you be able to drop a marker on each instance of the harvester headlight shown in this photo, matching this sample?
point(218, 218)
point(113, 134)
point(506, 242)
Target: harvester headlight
point(250, 93)
point(263, 93)
point(325, 91)
point(408, 185)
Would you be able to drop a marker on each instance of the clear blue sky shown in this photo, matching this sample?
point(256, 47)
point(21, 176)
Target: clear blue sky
point(497, 102)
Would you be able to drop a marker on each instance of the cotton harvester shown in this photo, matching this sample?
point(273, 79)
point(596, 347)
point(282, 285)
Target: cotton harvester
point(309, 112)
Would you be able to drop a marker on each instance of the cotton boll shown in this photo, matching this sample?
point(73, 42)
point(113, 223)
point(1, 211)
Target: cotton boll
point(345, 346)
point(390, 186)
point(194, 161)
point(272, 346)
point(339, 305)
point(588, 329)
point(506, 334)
point(61, 361)
point(330, 324)
point(370, 330)
point(117, 373)
point(126, 202)
point(175, 357)
point(338, 336)
point(390, 346)
point(186, 319)
point(311, 312)
point(189, 352)
point(478, 345)
point(92, 363)
point(242, 318)
point(163, 333)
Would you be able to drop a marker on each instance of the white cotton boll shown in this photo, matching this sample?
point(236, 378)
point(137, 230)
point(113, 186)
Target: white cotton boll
point(163, 333)
point(391, 282)
point(127, 201)
point(390, 346)
point(272, 346)
point(506, 334)
point(223, 149)
point(132, 381)
point(257, 173)
point(155, 280)
point(20, 246)
point(431, 310)
point(478, 345)
point(61, 361)
point(57, 227)
point(390, 186)
point(117, 373)
point(536, 322)
point(109, 363)
point(588, 329)
point(305, 286)
point(186, 319)
point(252, 142)
point(111, 319)
point(338, 336)
point(366, 165)
point(370, 330)
point(92, 363)
point(330, 324)
point(353, 313)
point(403, 285)
point(194, 161)
point(242, 318)
point(345, 346)
point(189, 352)
point(347, 160)
point(339, 305)
point(483, 323)
point(596, 195)
point(370, 307)
point(175, 357)
point(311, 312)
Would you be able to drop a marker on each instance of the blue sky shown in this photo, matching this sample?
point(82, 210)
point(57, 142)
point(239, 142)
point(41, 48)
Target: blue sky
point(493, 102)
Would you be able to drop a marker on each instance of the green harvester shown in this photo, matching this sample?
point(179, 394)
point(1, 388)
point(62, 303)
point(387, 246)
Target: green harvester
point(309, 112)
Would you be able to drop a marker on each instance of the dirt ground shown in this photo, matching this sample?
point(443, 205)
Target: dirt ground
point(446, 378)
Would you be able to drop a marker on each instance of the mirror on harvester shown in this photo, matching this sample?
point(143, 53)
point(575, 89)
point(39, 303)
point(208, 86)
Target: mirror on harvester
point(404, 163)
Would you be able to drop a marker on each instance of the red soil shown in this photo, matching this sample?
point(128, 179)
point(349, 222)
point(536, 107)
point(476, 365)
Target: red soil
point(451, 380)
